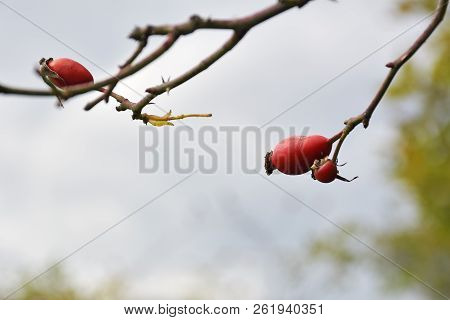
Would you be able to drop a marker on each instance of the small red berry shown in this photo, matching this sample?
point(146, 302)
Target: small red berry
point(68, 72)
point(295, 155)
point(326, 172)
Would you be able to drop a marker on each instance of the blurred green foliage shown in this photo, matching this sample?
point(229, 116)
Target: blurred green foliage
point(56, 285)
point(422, 162)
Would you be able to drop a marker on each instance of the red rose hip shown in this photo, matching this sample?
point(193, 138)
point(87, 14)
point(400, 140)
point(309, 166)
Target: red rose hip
point(68, 73)
point(295, 155)
point(326, 171)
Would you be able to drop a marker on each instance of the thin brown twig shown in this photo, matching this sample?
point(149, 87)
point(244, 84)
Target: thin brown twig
point(336, 137)
point(142, 43)
point(25, 91)
point(395, 66)
point(196, 22)
point(201, 66)
point(163, 48)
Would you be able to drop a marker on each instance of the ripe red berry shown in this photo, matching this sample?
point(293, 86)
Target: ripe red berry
point(295, 155)
point(326, 172)
point(68, 72)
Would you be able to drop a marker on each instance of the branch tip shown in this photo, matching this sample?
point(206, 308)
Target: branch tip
point(395, 66)
point(141, 34)
point(390, 65)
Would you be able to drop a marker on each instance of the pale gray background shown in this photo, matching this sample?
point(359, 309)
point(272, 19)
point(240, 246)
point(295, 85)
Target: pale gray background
point(67, 175)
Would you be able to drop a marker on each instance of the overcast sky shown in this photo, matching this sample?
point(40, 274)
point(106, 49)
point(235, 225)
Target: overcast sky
point(67, 175)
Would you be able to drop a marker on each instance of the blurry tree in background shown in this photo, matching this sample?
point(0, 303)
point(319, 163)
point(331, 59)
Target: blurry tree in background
point(56, 285)
point(421, 162)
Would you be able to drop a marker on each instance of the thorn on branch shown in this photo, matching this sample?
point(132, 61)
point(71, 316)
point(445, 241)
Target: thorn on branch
point(390, 65)
point(163, 81)
point(366, 121)
point(196, 20)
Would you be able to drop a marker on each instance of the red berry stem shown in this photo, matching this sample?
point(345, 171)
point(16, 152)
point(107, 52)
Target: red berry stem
point(336, 137)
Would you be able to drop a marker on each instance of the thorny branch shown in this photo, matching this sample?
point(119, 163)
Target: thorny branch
point(238, 26)
point(395, 66)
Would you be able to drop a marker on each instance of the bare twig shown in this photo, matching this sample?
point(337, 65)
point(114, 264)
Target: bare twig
point(163, 48)
point(142, 43)
point(196, 22)
point(394, 66)
point(204, 64)
point(25, 91)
